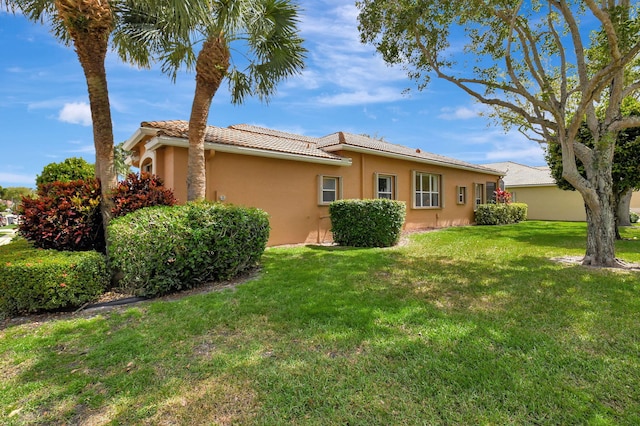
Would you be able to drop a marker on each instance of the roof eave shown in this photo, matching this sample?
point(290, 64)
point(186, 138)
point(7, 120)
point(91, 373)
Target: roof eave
point(160, 141)
point(359, 149)
point(137, 136)
point(527, 185)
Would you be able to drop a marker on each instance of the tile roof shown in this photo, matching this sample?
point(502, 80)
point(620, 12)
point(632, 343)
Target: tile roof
point(361, 141)
point(522, 175)
point(248, 136)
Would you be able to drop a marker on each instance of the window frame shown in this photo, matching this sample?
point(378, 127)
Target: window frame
point(394, 185)
point(481, 192)
point(461, 195)
point(439, 193)
point(321, 189)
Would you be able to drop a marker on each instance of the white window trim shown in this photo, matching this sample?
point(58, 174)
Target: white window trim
point(321, 178)
point(461, 190)
point(394, 184)
point(440, 191)
point(475, 194)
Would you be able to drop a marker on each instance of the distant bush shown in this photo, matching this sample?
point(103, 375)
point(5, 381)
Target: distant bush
point(138, 191)
point(501, 214)
point(634, 217)
point(34, 280)
point(159, 250)
point(66, 215)
point(68, 170)
point(367, 223)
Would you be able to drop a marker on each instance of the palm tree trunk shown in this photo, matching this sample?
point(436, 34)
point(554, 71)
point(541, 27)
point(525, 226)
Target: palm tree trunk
point(89, 23)
point(211, 67)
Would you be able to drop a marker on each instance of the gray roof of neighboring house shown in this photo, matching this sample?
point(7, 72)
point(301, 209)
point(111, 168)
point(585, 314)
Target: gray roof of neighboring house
point(248, 136)
point(516, 174)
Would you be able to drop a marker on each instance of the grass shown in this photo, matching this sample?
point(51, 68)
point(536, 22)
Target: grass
point(469, 325)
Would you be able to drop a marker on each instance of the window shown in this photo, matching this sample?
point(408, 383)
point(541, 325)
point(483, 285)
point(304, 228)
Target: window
point(386, 186)
point(426, 190)
point(330, 189)
point(491, 192)
point(462, 195)
point(479, 194)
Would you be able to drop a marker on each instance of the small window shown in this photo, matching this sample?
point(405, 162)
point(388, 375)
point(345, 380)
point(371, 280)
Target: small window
point(386, 186)
point(147, 167)
point(426, 190)
point(462, 195)
point(479, 194)
point(330, 189)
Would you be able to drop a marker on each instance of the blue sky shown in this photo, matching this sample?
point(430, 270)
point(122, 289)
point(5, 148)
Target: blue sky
point(44, 111)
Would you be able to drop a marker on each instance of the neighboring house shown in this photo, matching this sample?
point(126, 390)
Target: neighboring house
point(294, 178)
point(536, 187)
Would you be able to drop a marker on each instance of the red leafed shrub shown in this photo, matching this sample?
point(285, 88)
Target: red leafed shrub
point(136, 192)
point(64, 216)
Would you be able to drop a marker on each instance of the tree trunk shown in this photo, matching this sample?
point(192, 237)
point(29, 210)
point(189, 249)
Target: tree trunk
point(600, 202)
point(597, 192)
point(624, 207)
point(211, 67)
point(601, 237)
point(89, 23)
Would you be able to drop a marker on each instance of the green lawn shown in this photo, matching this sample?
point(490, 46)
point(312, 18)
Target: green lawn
point(472, 325)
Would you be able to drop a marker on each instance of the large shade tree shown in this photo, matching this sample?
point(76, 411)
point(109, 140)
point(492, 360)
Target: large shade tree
point(626, 164)
point(263, 34)
point(540, 69)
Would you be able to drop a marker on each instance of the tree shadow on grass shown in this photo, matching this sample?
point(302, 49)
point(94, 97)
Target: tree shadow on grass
point(351, 335)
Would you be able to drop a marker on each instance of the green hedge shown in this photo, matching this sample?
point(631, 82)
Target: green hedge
point(501, 214)
point(159, 250)
point(633, 217)
point(34, 280)
point(367, 223)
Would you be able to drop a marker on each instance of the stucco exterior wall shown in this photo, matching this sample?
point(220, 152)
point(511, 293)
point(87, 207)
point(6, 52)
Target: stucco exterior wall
point(290, 191)
point(635, 202)
point(550, 203)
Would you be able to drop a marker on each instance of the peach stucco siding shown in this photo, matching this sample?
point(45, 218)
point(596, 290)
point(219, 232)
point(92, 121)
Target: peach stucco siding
point(289, 190)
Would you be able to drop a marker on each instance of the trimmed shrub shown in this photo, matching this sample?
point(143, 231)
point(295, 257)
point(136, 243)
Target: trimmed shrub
point(634, 217)
point(501, 214)
point(159, 250)
point(35, 280)
point(367, 223)
point(519, 211)
point(138, 191)
point(64, 216)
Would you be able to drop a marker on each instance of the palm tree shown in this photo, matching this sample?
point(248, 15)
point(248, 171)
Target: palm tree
point(89, 25)
point(266, 31)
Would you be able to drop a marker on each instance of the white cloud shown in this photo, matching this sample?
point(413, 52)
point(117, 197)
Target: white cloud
point(18, 179)
point(360, 97)
point(355, 74)
point(461, 112)
point(76, 113)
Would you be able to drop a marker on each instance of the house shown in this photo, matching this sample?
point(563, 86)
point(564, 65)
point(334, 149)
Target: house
point(536, 187)
point(294, 178)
